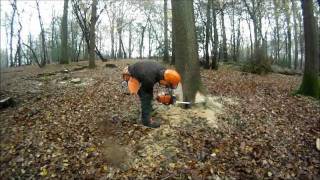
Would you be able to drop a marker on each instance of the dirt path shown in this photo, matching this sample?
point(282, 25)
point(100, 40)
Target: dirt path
point(76, 123)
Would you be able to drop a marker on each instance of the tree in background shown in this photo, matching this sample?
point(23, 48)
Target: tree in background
point(310, 83)
point(208, 35)
point(166, 41)
point(259, 62)
point(43, 39)
point(215, 40)
point(14, 7)
point(92, 42)
point(64, 58)
point(186, 50)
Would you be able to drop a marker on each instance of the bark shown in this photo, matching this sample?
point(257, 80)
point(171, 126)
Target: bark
point(173, 51)
point(64, 57)
point(296, 33)
point(277, 29)
point(18, 57)
point(288, 17)
point(208, 35)
point(237, 48)
point(310, 84)
point(250, 35)
point(214, 64)
point(224, 37)
point(14, 8)
point(43, 39)
point(149, 42)
point(166, 41)
point(92, 42)
point(186, 50)
point(113, 55)
point(7, 42)
point(119, 29)
point(141, 42)
point(130, 41)
point(53, 39)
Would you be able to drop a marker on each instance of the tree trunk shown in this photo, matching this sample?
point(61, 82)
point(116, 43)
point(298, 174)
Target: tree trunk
point(119, 29)
point(224, 38)
point(215, 43)
point(141, 42)
point(208, 35)
point(52, 39)
point(130, 41)
point(173, 51)
point(237, 49)
point(92, 42)
point(302, 44)
point(113, 55)
point(233, 35)
point(18, 57)
point(310, 84)
point(14, 8)
point(166, 41)
point(277, 29)
point(288, 17)
point(7, 42)
point(64, 58)
point(43, 39)
point(250, 35)
point(149, 41)
point(186, 50)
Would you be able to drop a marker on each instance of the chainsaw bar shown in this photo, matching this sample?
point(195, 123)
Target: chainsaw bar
point(182, 102)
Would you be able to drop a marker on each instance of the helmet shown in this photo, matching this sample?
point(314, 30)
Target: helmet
point(172, 77)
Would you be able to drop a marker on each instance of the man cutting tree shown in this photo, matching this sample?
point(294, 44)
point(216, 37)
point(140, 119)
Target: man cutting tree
point(141, 77)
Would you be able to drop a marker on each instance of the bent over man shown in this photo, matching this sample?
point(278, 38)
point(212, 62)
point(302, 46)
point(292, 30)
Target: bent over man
point(141, 77)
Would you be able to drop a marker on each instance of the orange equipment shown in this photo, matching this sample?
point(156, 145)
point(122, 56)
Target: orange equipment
point(172, 77)
point(166, 99)
point(133, 85)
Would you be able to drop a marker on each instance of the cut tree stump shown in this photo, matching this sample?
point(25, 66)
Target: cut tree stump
point(6, 102)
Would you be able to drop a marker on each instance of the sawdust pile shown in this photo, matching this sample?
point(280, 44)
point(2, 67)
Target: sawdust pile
point(160, 147)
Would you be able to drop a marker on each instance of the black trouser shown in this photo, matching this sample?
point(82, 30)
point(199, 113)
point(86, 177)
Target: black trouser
point(146, 106)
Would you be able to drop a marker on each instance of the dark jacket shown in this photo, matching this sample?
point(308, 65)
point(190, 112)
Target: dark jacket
point(148, 73)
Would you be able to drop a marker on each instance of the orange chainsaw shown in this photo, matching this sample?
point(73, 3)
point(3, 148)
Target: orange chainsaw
point(169, 98)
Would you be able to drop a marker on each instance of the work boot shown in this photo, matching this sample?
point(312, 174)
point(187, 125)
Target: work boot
point(151, 123)
point(146, 109)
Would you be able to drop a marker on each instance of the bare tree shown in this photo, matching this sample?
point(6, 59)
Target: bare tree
point(143, 28)
point(259, 63)
point(43, 38)
point(224, 36)
point(92, 42)
point(166, 41)
point(208, 35)
point(18, 56)
point(85, 26)
point(14, 8)
point(288, 23)
point(296, 33)
point(64, 57)
point(215, 41)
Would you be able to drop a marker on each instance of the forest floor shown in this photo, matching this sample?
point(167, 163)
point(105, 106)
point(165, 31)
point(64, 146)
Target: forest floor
point(71, 122)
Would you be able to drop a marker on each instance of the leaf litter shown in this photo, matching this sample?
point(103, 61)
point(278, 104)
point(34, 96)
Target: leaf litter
point(250, 127)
